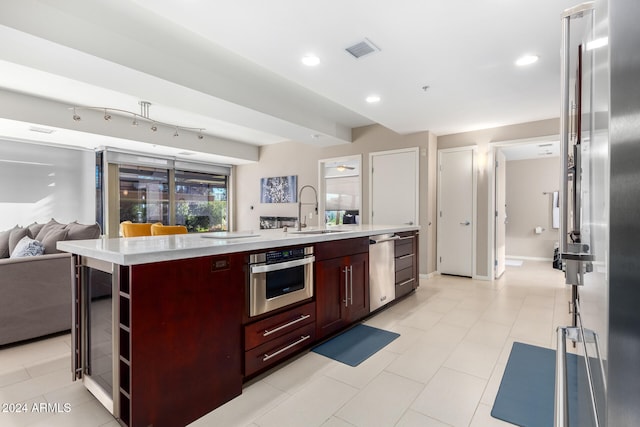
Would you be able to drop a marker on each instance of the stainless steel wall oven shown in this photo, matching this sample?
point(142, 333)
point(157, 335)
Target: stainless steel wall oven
point(279, 278)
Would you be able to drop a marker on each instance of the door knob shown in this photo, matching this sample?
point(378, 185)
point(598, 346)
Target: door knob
point(465, 223)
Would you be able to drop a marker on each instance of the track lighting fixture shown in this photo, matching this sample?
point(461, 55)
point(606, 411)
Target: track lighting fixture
point(142, 116)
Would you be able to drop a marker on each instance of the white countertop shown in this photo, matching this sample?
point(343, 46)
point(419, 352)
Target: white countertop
point(143, 250)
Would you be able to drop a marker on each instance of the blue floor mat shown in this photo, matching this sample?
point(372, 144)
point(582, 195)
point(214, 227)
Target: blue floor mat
point(526, 394)
point(356, 345)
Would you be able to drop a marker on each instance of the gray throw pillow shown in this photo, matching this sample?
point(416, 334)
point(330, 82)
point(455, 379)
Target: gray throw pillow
point(34, 229)
point(27, 247)
point(49, 241)
point(51, 225)
point(4, 242)
point(82, 231)
point(16, 235)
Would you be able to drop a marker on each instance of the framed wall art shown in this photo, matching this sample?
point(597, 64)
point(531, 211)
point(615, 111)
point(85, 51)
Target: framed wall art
point(279, 189)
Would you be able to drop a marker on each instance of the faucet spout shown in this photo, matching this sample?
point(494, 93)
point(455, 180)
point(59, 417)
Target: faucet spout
point(300, 204)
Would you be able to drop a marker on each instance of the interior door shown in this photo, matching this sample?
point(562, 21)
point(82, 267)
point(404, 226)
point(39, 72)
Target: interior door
point(394, 187)
point(501, 214)
point(456, 213)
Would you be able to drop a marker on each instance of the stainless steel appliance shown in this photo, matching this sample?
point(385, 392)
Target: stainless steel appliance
point(279, 278)
point(601, 200)
point(583, 231)
point(382, 289)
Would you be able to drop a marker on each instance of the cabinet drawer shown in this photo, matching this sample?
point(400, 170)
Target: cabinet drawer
point(405, 261)
point(404, 247)
point(276, 326)
point(405, 287)
point(340, 248)
point(278, 349)
point(404, 275)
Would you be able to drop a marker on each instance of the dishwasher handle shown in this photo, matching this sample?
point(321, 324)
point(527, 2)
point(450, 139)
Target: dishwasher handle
point(390, 239)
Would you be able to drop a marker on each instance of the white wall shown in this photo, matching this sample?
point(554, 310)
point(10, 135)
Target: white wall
point(292, 158)
point(528, 207)
point(39, 182)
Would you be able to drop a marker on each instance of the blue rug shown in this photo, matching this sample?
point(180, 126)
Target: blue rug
point(356, 345)
point(526, 394)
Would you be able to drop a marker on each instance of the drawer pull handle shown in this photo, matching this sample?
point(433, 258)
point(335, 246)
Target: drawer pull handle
point(268, 332)
point(282, 350)
point(405, 282)
point(406, 238)
point(405, 256)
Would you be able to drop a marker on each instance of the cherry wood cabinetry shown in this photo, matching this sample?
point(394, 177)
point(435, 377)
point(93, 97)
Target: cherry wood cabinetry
point(277, 337)
point(180, 339)
point(406, 260)
point(342, 284)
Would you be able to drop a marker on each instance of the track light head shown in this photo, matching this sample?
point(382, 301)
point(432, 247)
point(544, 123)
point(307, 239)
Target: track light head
point(107, 116)
point(176, 132)
point(154, 127)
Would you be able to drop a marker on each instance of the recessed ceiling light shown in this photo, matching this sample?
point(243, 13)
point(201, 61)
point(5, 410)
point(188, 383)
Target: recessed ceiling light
point(372, 99)
point(310, 60)
point(527, 60)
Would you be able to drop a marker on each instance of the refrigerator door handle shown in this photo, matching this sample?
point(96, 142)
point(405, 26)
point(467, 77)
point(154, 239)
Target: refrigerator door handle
point(560, 413)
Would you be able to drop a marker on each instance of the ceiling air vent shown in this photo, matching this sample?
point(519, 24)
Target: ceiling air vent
point(362, 48)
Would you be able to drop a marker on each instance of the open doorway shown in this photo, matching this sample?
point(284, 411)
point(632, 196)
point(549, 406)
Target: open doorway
point(524, 217)
point(340, 190)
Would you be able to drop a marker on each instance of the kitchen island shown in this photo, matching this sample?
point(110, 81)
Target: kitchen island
point(179, 338)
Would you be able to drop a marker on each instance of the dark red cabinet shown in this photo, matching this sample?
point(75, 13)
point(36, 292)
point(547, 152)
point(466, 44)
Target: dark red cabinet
point(342, 284)
point(181, 349)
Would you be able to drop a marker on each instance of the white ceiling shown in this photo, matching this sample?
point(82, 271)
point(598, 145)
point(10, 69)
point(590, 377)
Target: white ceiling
point(233, 67)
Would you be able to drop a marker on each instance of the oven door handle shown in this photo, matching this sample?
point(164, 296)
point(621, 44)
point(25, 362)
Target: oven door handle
point(265, 268)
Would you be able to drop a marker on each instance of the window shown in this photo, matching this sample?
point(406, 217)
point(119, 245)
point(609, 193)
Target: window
point(144, 194)
point(201, 201)
point(155, 189)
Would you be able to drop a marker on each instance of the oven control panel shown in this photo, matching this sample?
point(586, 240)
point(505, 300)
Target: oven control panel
point(284, 255)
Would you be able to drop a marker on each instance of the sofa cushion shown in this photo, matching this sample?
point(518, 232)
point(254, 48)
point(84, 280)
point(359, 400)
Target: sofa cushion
point(27, 247)
point(54, 236)
point(51, 225)
point(15, 236)
point(34, 229)
point(79, 231)
point(4, 242)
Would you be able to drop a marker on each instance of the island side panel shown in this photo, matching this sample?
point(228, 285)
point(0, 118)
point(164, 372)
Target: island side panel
point(186, 338)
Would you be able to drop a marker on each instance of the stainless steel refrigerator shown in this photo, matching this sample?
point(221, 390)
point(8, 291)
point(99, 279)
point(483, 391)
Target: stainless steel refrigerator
point(600, 121)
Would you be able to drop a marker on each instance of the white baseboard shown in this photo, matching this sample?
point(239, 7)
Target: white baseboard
point(429, 275)
point(529, 258)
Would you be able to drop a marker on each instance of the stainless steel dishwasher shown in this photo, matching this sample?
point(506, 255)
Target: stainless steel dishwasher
point(382, 278)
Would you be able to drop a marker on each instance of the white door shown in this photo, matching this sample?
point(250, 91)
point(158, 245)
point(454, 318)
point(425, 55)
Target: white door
point(455, 212)
point(501, 213)
point(394, 187)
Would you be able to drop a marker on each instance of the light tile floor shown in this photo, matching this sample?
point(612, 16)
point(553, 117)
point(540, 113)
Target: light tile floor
point(444, 370)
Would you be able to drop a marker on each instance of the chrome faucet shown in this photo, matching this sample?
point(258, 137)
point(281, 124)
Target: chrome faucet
point(300, 204)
